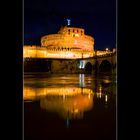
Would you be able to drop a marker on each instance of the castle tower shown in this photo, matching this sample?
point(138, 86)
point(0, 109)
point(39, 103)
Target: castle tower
point(69, 42)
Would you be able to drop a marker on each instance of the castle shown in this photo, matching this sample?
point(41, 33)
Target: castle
point(68, 43)
point(64, 52)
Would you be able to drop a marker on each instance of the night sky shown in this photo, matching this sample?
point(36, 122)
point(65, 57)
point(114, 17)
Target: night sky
point(97, 17)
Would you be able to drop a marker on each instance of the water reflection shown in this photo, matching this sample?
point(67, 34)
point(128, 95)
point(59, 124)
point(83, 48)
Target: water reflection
point(68, 96)
point(33, 93)
point(68, 102)
point(81, 80)
point(71, 108)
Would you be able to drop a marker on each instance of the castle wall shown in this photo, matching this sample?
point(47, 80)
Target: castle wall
point(64, 66)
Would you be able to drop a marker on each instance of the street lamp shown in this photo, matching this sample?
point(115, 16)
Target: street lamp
point(106, 49)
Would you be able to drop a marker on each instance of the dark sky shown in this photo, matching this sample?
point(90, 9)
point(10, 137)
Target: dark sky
point(97, 17)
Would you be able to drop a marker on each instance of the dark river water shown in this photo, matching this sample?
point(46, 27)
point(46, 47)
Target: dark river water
point(69, 106)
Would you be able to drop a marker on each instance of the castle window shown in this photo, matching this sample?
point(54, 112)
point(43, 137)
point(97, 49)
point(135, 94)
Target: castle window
point(68, 31)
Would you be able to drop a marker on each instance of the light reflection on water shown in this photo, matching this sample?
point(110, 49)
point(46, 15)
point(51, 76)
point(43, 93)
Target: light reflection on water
point(59, 105)
point(68, 95)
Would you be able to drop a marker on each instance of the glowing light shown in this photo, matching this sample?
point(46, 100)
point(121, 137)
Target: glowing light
point(106, 98)
point(63, 97)
point(100, 95)
point(33, 93)
point(77, 35)
point(89, 96)
point(76, 110)
point(100, 53)
point(71, 105)
point(106, 49)
point(68, 108)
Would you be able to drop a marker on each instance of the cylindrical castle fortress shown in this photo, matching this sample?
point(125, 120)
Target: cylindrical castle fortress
point(70, 42)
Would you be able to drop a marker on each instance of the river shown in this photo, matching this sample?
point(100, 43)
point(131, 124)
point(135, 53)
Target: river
point(71, 106)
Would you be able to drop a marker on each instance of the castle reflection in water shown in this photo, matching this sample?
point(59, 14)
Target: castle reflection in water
point(68, 101)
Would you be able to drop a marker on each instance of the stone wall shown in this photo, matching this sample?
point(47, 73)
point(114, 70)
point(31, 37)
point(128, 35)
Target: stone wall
point(64, 66)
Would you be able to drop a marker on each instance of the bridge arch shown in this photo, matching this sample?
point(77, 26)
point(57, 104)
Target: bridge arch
point(95, 65)
point(105, 66)
point(88, 67)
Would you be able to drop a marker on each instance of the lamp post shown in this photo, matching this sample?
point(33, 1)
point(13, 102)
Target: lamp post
point(106, 49)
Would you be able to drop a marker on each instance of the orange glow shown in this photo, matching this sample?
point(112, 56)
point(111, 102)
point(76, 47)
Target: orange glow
point(71, 107)
point(35, 93)
point(68, 102)
point(69, 43)
point(100, 53)
point(99, 94)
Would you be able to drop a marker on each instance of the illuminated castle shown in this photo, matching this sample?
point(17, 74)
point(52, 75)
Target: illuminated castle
point(68, 43)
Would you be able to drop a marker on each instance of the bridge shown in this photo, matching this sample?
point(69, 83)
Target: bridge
point(99, 63)
point(102, 61)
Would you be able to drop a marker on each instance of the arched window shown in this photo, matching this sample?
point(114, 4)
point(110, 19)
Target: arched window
point(68, 31)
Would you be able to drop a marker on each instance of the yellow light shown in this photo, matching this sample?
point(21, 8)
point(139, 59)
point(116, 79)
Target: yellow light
point(89, 95)
point(106, 49)
point(105, 98)
point(33, 93)
point(76, 110)
point(64, 97)
point(77, 35)
point(100, 94)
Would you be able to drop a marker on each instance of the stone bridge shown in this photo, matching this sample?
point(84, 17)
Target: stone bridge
point(98, 63)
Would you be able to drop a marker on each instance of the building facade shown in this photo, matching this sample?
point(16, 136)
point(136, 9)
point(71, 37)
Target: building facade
point(68, 43)
point(68, 51)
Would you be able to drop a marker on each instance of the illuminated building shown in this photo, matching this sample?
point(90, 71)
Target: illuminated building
point(68, 43)
point(67, 51)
